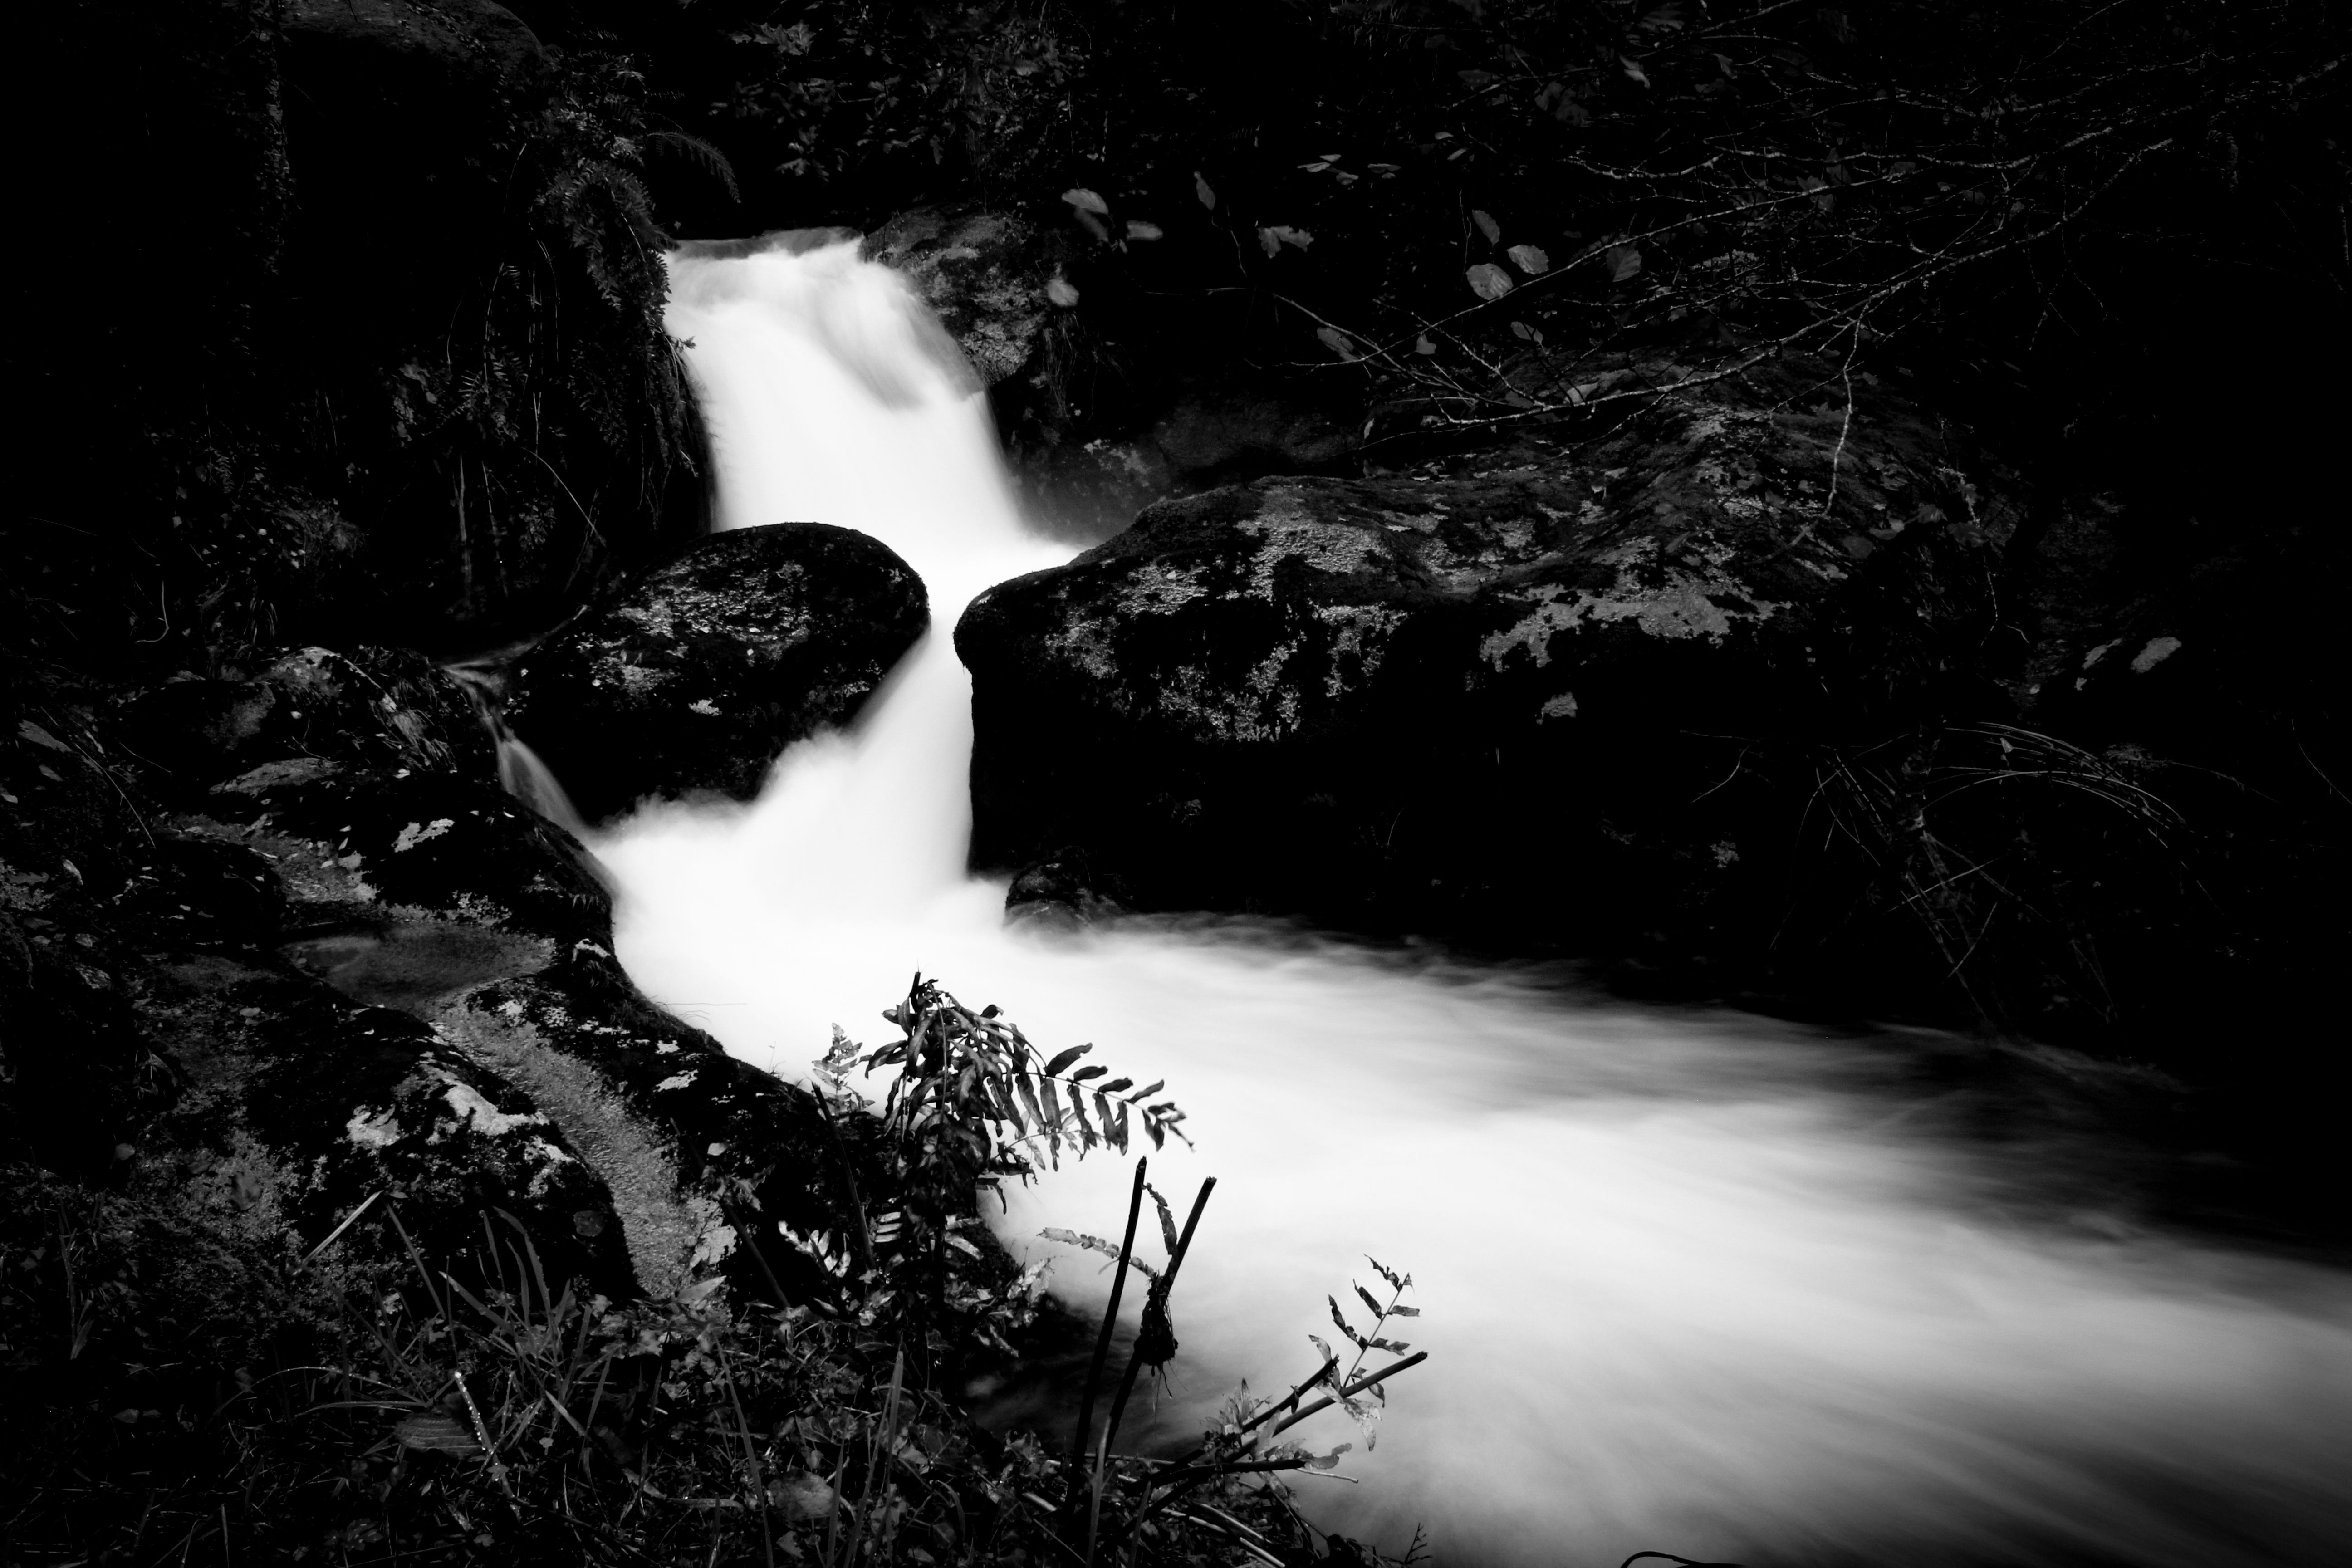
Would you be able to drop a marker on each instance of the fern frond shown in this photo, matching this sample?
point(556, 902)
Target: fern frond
point(699, 152)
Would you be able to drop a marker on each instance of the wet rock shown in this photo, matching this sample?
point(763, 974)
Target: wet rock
point(1059, 891)
point(1217, 431)
point(432, 899)
point(1517, 695)
point(302, 1106)
point(704, 1156)
point(295, 708)
point(695, 678)
point(320, 958)
point(985, 275)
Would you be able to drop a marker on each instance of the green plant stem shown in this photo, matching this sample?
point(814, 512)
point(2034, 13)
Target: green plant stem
point(750, 1457)
point(1351, 1390)
point(1102, 1342)
point(1165, 1288)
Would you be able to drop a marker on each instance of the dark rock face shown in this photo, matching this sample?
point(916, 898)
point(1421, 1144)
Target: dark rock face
point(985, 275)
point(1044, 318)
point(381, 708)
point(300, 1101)
point(319, 960)
point(698, 676)
point(1515, 695)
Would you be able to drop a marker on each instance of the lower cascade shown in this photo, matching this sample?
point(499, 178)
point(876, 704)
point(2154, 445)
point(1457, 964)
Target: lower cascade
point(1690, 1280)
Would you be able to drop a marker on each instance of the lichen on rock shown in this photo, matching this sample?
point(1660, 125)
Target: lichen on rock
point(1422, 697)
point(693, 678)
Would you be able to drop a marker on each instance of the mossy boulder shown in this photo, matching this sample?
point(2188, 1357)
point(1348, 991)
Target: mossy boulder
point(986, 276)
point(696, 677)
point(1513, 695)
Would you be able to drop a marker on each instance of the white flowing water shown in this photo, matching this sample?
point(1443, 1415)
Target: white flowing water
point(1690, 1281)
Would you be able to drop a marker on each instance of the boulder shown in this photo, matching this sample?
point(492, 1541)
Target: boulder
point(696, 677)
point(985, 275)
point(1100, 413)
point(1525, 696)
point(322, 960)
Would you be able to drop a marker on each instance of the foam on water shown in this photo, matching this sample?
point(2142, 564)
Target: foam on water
point(1690, 1281)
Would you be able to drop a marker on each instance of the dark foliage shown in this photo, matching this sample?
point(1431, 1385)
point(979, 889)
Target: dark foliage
point(184, 1380)
point(338, 343)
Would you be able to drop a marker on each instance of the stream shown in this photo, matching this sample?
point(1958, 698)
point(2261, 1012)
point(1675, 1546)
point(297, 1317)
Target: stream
point(1690, 1280)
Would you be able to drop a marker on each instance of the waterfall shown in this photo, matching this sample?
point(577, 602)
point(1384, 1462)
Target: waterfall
point(1691, 1281)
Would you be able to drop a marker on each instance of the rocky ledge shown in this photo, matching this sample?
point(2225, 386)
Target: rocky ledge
point(1528, 691)
point(275, 952)
point(694, 677)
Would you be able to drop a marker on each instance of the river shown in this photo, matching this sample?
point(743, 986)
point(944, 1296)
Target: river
point(1690, 1280)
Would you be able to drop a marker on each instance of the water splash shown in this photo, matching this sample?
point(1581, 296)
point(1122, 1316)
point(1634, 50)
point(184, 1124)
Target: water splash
point(522, 772)
point(1692, 1281)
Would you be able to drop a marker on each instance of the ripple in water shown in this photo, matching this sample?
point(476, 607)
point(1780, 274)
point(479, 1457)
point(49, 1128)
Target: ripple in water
point(1691, 1281)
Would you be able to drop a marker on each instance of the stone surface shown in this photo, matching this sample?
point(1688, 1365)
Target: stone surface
point(984, 274)
point(1052, 322)
point(1516, 693)
point(317, 960)
point(291, 710)
point(696, 677)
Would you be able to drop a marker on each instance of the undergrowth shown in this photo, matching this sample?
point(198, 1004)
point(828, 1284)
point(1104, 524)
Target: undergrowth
point(188, 1386)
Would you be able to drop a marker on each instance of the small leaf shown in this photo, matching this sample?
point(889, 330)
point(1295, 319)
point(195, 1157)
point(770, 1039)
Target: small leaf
point(1059, 291)
point(1404, 1311)
point(1488, 281)
point(1487, 226)
point(1116, 1084)
point(1147, 1091)
point(1529, 260)
point(1200, 189)
point(1138, 229)
point(1399, 1281)
point(1634, 70)
point(1167, 1219)
point(1065, 1058)
point(1353, 1336)
point(1422, 345)
point(1366, 1416)
point(1088, 1074)
point(1268, 243)
point(1330, 1362)
point(1623, 261)
point(1326, 1461)
point(1372, 1305)
point(1338, 342)
point(1097, 1243)
point(1085, 201)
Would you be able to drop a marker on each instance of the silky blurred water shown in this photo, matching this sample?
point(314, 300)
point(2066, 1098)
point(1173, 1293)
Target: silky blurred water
point(1691, 1281)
